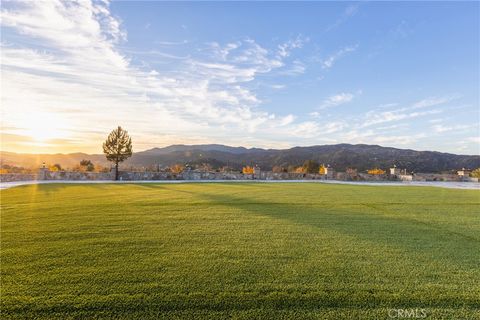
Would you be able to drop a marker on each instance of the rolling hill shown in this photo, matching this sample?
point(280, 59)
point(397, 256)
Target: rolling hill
point(339, 156)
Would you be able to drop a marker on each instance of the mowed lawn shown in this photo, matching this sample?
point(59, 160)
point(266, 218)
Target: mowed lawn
point(239, 250)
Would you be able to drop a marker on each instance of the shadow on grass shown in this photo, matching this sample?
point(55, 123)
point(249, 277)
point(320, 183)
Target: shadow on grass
point(417, 237)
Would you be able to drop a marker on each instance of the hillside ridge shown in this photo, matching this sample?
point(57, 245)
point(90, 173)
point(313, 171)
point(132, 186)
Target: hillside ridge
point(339, 156)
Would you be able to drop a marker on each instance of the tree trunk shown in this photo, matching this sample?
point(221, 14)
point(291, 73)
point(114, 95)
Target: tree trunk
point(116, 171)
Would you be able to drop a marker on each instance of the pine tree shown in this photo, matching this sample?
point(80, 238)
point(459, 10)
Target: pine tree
point(118, 147)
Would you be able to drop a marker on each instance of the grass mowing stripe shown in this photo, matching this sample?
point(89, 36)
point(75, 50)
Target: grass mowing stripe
point(238, 250)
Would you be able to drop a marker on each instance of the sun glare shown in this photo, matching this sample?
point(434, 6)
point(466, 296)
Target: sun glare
point(42, 129)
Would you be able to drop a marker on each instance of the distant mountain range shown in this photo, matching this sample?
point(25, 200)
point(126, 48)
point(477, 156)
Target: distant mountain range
point(339, 156)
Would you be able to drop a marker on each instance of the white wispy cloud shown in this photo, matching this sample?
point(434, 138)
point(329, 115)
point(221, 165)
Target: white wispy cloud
point(474, 139)
point(396, 139)
point(434, 101)
point(402, 30)
point(386, 124)
point(287, 120)
point(393, 127)
point(375, 118)
point(285, 49)
point(171, 43)
point(307, 129)
point(296, 68)
point(330, 60)
point(336, 100)
point(348, 12)
point(71, 66)
point(334, 126)
point(439, 128)
point(323, 130)
point(373, 137)
point(378, 116)
point(222, 52)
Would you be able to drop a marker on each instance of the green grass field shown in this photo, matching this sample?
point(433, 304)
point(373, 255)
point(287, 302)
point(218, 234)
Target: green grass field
point(240, 250)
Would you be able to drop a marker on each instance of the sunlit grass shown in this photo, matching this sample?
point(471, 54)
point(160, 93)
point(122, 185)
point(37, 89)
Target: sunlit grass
point(238, 250)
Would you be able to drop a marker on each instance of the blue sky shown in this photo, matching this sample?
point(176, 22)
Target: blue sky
point(270, 74)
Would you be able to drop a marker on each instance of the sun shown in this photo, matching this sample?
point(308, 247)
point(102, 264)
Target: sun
point(44, 127)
